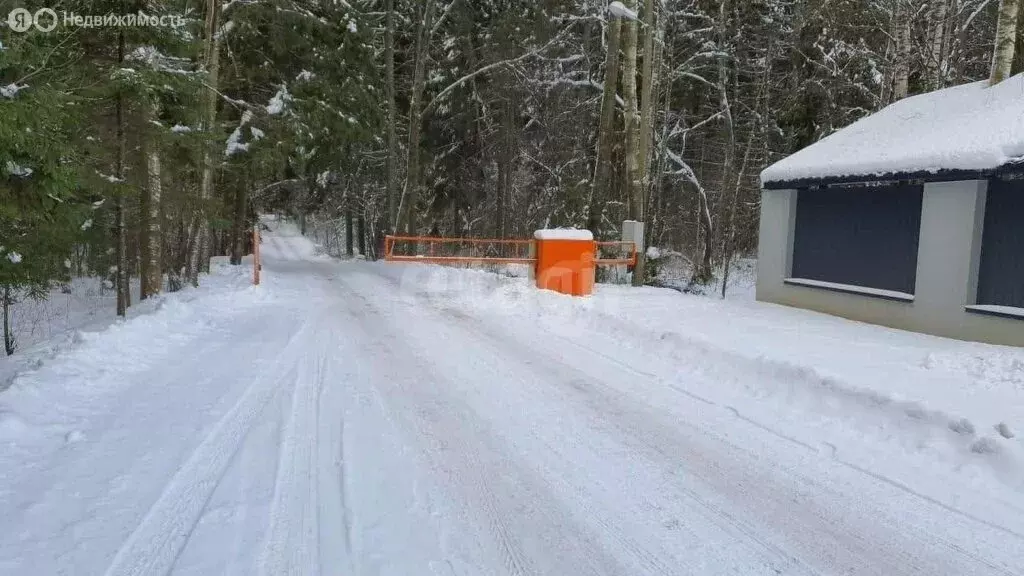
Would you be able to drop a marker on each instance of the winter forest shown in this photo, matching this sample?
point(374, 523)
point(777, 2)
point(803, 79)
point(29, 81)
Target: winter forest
point(135, 153)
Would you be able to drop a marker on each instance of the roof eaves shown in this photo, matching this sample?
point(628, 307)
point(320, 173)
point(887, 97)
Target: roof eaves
point(1013, 168)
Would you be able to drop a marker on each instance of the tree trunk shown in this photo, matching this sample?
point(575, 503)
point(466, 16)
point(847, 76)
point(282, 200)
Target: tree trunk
point(632, 177)
point(1018, 51)
point(349, 248)
point(937, 59)
point(410, 196)
point(1006, 37)
point(151, 277)
point(702, 271)
point(506, 159)
point(642, 177)
point(730, 239)
point(603, 167)
point(239, 224)
point(759, 112)
point(901, 77)
point(658, 206)
point(9, 344)
point(728, 144)
point(361, 233)
point(199, 259)
point(121, 275)
point(391, 162)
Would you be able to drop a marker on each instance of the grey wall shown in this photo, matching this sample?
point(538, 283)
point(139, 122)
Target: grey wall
point(952, 222)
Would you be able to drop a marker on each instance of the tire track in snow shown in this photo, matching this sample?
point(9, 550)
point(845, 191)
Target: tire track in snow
point(154, 546)
point(599, 397)
point(292, 541)
point(563, 372)
point(829, 451)
point(657, 436)
point(335, 527)
point(502, 345)
point(471, 476)
point(476, 461)
point(468, 476)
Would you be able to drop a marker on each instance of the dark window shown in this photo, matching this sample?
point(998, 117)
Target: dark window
point(1001, 275)
point(863, 236)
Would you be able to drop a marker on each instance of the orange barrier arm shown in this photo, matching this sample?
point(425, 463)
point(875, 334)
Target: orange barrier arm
point(630, 261)
point(434, 242)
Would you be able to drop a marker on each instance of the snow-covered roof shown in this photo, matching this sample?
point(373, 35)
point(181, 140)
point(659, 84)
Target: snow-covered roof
point(563, 234)
point(973, 127)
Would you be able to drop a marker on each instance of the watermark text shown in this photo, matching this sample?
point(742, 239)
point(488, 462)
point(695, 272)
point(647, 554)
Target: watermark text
point(47, 19)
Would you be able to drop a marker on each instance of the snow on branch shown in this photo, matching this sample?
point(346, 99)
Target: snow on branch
point(278, 102)
point(289, 182)
point(444, 17)
point(15, 169)
point(618, 10)
point(684, 169)
point(231, 4)
point(225, 29)
point(157, 60)
point(597, 86)
point(234, 144)
point(429, 108)
point(11, 90)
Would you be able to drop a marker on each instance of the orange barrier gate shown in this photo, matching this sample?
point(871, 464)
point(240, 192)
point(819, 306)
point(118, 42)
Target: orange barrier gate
point(565, 265)
point(628, 247)
point(452, 250)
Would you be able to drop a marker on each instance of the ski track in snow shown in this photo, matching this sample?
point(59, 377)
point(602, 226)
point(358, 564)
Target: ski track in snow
point(155, 545)
point(347, 424)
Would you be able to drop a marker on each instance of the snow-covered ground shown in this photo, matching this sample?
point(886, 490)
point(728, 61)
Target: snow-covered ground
point(84, 304)
point(674, 270)
point(359, 418)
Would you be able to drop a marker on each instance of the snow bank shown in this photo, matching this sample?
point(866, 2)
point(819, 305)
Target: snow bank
point(563, 234)
point(57, 329)
point(822, 380)
point(969, 127)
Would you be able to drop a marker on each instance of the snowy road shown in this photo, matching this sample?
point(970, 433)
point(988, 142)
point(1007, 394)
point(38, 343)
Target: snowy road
point(340, 420)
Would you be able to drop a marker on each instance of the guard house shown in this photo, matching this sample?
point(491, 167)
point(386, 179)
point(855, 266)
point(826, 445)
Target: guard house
point(911, 218)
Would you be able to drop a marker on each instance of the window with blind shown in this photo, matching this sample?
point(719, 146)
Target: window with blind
point(859, 236)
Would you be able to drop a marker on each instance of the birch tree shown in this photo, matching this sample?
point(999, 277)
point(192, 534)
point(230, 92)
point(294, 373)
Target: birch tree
point(633, 178)
point(200, 252)
point(1006, 36)
point(937, 53)
point(151, 279)
point(602, 167)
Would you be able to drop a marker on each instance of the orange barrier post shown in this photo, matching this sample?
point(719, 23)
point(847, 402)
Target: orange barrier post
point(256, 255)
point(566, 261)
